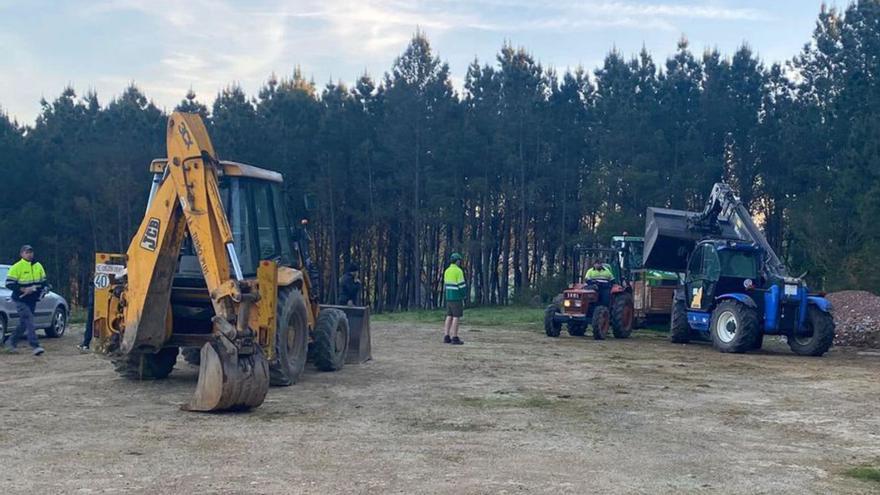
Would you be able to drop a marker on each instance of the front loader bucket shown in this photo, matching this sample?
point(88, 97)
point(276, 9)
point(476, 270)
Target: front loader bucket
point(359, 340)
point(229, 381)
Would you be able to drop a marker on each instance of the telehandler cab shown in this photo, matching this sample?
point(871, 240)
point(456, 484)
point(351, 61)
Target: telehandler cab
point(215, 266)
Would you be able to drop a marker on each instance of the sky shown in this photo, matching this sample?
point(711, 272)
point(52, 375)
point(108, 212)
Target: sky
point(167, 47)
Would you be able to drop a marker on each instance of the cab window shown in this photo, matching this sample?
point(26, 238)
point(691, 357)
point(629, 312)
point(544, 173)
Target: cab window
point(739, 264)
point(283, 227)
point(695, 265)
point(711, 264)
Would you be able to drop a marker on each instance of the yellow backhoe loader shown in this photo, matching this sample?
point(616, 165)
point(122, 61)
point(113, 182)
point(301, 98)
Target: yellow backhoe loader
point(215, 269)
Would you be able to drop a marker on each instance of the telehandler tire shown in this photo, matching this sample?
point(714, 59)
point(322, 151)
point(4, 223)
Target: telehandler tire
point(601, 322)
point(822, 325)
point(144, 366)
point(679, 331)
point(551, 328)
point(734, 327)
point(622, 315)
point(291, 338)
point(331, 340)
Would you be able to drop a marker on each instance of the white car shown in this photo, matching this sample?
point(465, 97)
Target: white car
point(51, 315)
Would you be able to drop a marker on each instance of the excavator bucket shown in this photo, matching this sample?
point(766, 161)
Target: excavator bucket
point(359, 340)
point(229, 381)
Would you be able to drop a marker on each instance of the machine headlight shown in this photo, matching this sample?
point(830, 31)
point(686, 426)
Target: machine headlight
point(748, 284)
point(577, 303)
point(566, 303)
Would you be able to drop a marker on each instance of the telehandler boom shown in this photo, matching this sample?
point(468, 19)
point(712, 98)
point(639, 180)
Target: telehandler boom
point(182, 283)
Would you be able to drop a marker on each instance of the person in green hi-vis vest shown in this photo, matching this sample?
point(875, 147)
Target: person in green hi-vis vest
point(456, 292)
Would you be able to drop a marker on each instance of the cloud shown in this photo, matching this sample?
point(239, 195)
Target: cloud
point(208, 44)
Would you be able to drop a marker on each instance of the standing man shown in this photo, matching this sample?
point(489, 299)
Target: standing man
point(456, 292)
point(350, 286)
point(87, 335)
point(26, 279)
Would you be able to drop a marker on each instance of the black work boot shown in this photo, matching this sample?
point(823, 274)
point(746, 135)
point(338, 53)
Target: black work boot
point(456, 341)
point(446, 339)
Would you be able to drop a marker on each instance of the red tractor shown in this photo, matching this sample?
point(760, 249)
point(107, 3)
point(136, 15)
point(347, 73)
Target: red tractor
point(601, 304)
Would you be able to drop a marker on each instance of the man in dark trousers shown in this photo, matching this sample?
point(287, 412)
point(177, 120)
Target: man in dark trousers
point(87, 335)
point(27, 281)
point(350, 286)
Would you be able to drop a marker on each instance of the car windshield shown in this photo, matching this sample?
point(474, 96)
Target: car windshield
point(738, 264)
point(3, 270)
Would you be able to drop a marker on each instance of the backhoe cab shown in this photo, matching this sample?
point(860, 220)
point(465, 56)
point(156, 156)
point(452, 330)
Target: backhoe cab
point(216, 269)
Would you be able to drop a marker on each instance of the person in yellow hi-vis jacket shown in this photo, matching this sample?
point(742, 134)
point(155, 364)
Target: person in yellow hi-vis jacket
point(26, 279)
point(456, 292)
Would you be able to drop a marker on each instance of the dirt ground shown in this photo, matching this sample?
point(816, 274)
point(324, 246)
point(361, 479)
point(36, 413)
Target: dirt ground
point(512, 411)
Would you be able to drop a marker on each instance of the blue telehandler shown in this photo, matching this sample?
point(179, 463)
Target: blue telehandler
point(736, 289)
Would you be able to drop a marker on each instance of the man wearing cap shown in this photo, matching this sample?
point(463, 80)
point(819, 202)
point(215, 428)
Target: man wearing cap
point(456, 292)
point(27, 281)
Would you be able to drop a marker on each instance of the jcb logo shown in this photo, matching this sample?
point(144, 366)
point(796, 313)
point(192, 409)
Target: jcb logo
point(151, 235)
point(184, 134)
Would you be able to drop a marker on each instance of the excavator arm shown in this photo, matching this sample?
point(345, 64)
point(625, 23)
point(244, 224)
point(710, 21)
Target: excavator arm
point(233, 372)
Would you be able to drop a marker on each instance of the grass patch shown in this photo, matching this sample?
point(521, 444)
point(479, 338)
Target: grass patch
point(864, 473)
point(520, 317)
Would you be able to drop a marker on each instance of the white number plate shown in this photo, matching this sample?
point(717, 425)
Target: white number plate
point(791, 290)
point(109, 269)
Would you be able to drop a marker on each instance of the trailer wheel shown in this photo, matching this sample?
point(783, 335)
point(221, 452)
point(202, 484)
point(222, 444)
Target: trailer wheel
point(147, 366)
point(734, 327)
point(821, 327)
point(601, 322)
point(291, 338)
point(551, 328)
point(679, 330)
point(622, 315)
point(331, 340)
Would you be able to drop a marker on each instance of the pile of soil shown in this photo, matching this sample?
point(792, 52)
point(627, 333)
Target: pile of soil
point(857, 318)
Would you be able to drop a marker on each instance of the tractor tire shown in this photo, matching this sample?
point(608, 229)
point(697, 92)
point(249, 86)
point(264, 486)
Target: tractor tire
point(679, 330)
point(822, 325)
point(734, 327)
point(622, 315)
point(331, 340)
point(577, 329)
point(551, 328)
point(291, 338)
point(601, 322)
point(144, 366)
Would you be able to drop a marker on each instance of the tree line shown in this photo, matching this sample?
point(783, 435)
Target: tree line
point(515, 170)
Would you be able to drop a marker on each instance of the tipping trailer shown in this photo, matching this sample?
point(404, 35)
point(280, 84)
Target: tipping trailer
point(736, 289)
